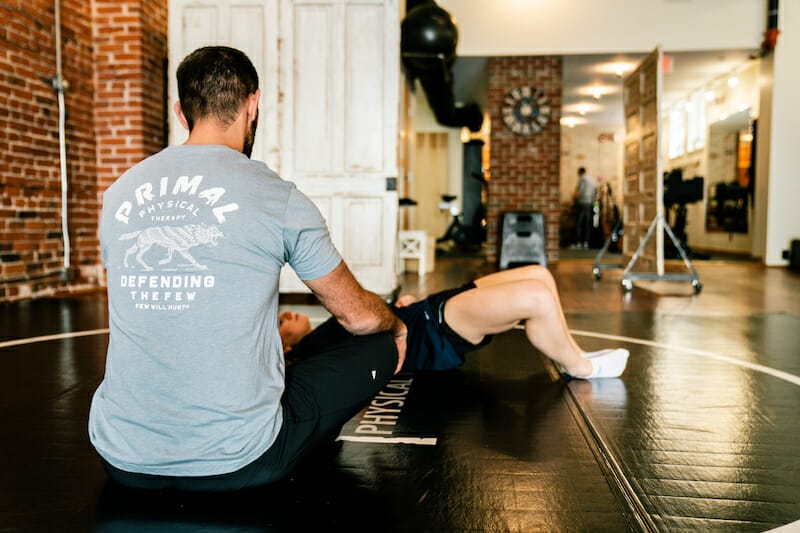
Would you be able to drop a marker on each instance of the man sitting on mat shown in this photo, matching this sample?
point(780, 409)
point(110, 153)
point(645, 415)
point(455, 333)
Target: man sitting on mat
point(448, 324)
point(196, 395)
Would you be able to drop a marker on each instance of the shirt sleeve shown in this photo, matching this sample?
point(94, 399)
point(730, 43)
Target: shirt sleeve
point(307, 242)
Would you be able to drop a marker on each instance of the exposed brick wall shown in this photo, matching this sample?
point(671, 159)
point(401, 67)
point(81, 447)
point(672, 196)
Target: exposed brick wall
point(525, 170)
point(113, 56)
point(30, 219)
point(130, 54)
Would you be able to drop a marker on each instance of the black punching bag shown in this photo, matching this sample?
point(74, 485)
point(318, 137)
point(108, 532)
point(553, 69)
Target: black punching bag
point(428, 39)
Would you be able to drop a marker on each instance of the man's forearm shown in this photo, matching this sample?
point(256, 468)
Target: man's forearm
point(358, 310)
point(371, 316)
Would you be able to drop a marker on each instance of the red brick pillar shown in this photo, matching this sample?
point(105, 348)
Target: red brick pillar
point(525, 170)
point(113, 57)
point(130, 62)
point(130, 67)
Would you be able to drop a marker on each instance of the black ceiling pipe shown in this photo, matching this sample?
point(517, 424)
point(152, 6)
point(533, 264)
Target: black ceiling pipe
point(428, 38)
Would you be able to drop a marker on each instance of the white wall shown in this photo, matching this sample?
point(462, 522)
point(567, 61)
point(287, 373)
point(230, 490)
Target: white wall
point(536, 27)
point(425, 122)
point(763, 155)
point(783, 214)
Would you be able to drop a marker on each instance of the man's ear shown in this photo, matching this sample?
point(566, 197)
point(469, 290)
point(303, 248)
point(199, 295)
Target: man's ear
point(180, 115)
point(252, 105)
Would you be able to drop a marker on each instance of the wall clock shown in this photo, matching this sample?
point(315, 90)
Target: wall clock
point(525, 110)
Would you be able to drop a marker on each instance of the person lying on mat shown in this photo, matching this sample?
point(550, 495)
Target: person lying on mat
point(446, 325)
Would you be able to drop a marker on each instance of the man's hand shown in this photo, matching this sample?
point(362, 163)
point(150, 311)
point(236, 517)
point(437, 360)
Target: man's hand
point(359, 311)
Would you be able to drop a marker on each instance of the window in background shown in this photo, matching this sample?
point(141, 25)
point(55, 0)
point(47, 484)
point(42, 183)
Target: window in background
point(696, 122)
point(677, 131)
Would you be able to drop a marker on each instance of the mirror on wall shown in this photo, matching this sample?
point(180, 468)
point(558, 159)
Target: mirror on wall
point(730, 173)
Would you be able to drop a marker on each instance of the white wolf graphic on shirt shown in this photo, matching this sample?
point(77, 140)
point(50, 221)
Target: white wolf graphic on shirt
point(175, 239)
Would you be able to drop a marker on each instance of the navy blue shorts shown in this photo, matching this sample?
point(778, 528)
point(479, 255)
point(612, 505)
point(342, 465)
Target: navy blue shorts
point(432, 343)
point(459, 343)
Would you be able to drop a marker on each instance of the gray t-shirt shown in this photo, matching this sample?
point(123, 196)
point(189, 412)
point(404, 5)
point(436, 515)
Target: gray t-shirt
point(587, 189)
point(193, 240)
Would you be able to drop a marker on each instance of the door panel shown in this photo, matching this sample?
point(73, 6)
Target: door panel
point(328, 119)
point(364, 97)
point(339, 125)
point(310, 98)
point(643, 193)
point(366, 249)
point(200, 26)
point(251, 26)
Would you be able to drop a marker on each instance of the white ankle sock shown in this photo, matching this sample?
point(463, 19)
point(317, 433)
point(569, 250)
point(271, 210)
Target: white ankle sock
point(589, 355)
point(607, 363)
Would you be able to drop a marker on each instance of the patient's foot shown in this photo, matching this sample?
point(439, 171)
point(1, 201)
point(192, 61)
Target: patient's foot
point(605, 364)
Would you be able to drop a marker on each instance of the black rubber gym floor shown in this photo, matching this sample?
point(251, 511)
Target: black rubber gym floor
point(700, 434)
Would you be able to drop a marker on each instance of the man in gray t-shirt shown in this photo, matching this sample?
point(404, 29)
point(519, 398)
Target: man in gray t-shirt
point(585, 193)
point(196, 395)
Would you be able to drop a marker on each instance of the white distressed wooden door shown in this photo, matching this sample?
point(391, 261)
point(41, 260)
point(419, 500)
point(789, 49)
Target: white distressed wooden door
point(249, 25)
point(329, 72)
point(644, 187)
point(339, 84)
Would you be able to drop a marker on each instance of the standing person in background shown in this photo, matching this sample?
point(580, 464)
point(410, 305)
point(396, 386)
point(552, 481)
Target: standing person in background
point(196, 394)
point(584, 196)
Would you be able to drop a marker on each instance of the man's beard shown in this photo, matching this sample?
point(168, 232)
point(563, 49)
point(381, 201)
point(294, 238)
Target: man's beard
point(250, 137)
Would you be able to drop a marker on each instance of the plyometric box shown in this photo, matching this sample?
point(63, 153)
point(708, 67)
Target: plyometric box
point(522, 239)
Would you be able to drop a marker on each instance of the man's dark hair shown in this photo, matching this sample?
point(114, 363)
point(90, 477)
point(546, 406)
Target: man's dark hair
point(214, 81)
point(582, 170)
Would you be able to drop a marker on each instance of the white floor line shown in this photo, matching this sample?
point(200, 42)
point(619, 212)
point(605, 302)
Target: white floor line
point(793, 527)
point(422, 441)
point(791, 378)
point(58, 336)
point(780, 374)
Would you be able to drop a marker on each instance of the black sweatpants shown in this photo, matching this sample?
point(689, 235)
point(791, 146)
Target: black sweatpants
point(332, 380)
point(584, 223)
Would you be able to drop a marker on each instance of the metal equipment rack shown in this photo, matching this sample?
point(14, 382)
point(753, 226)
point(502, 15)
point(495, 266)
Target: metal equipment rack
point(598, 266)
point(629, 277)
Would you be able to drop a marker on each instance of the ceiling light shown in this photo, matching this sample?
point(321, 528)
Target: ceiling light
point(733, 81)
point(617, 68)
point(709, 96)
point(571, 121)
point(582, 108)
point(597, 91)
